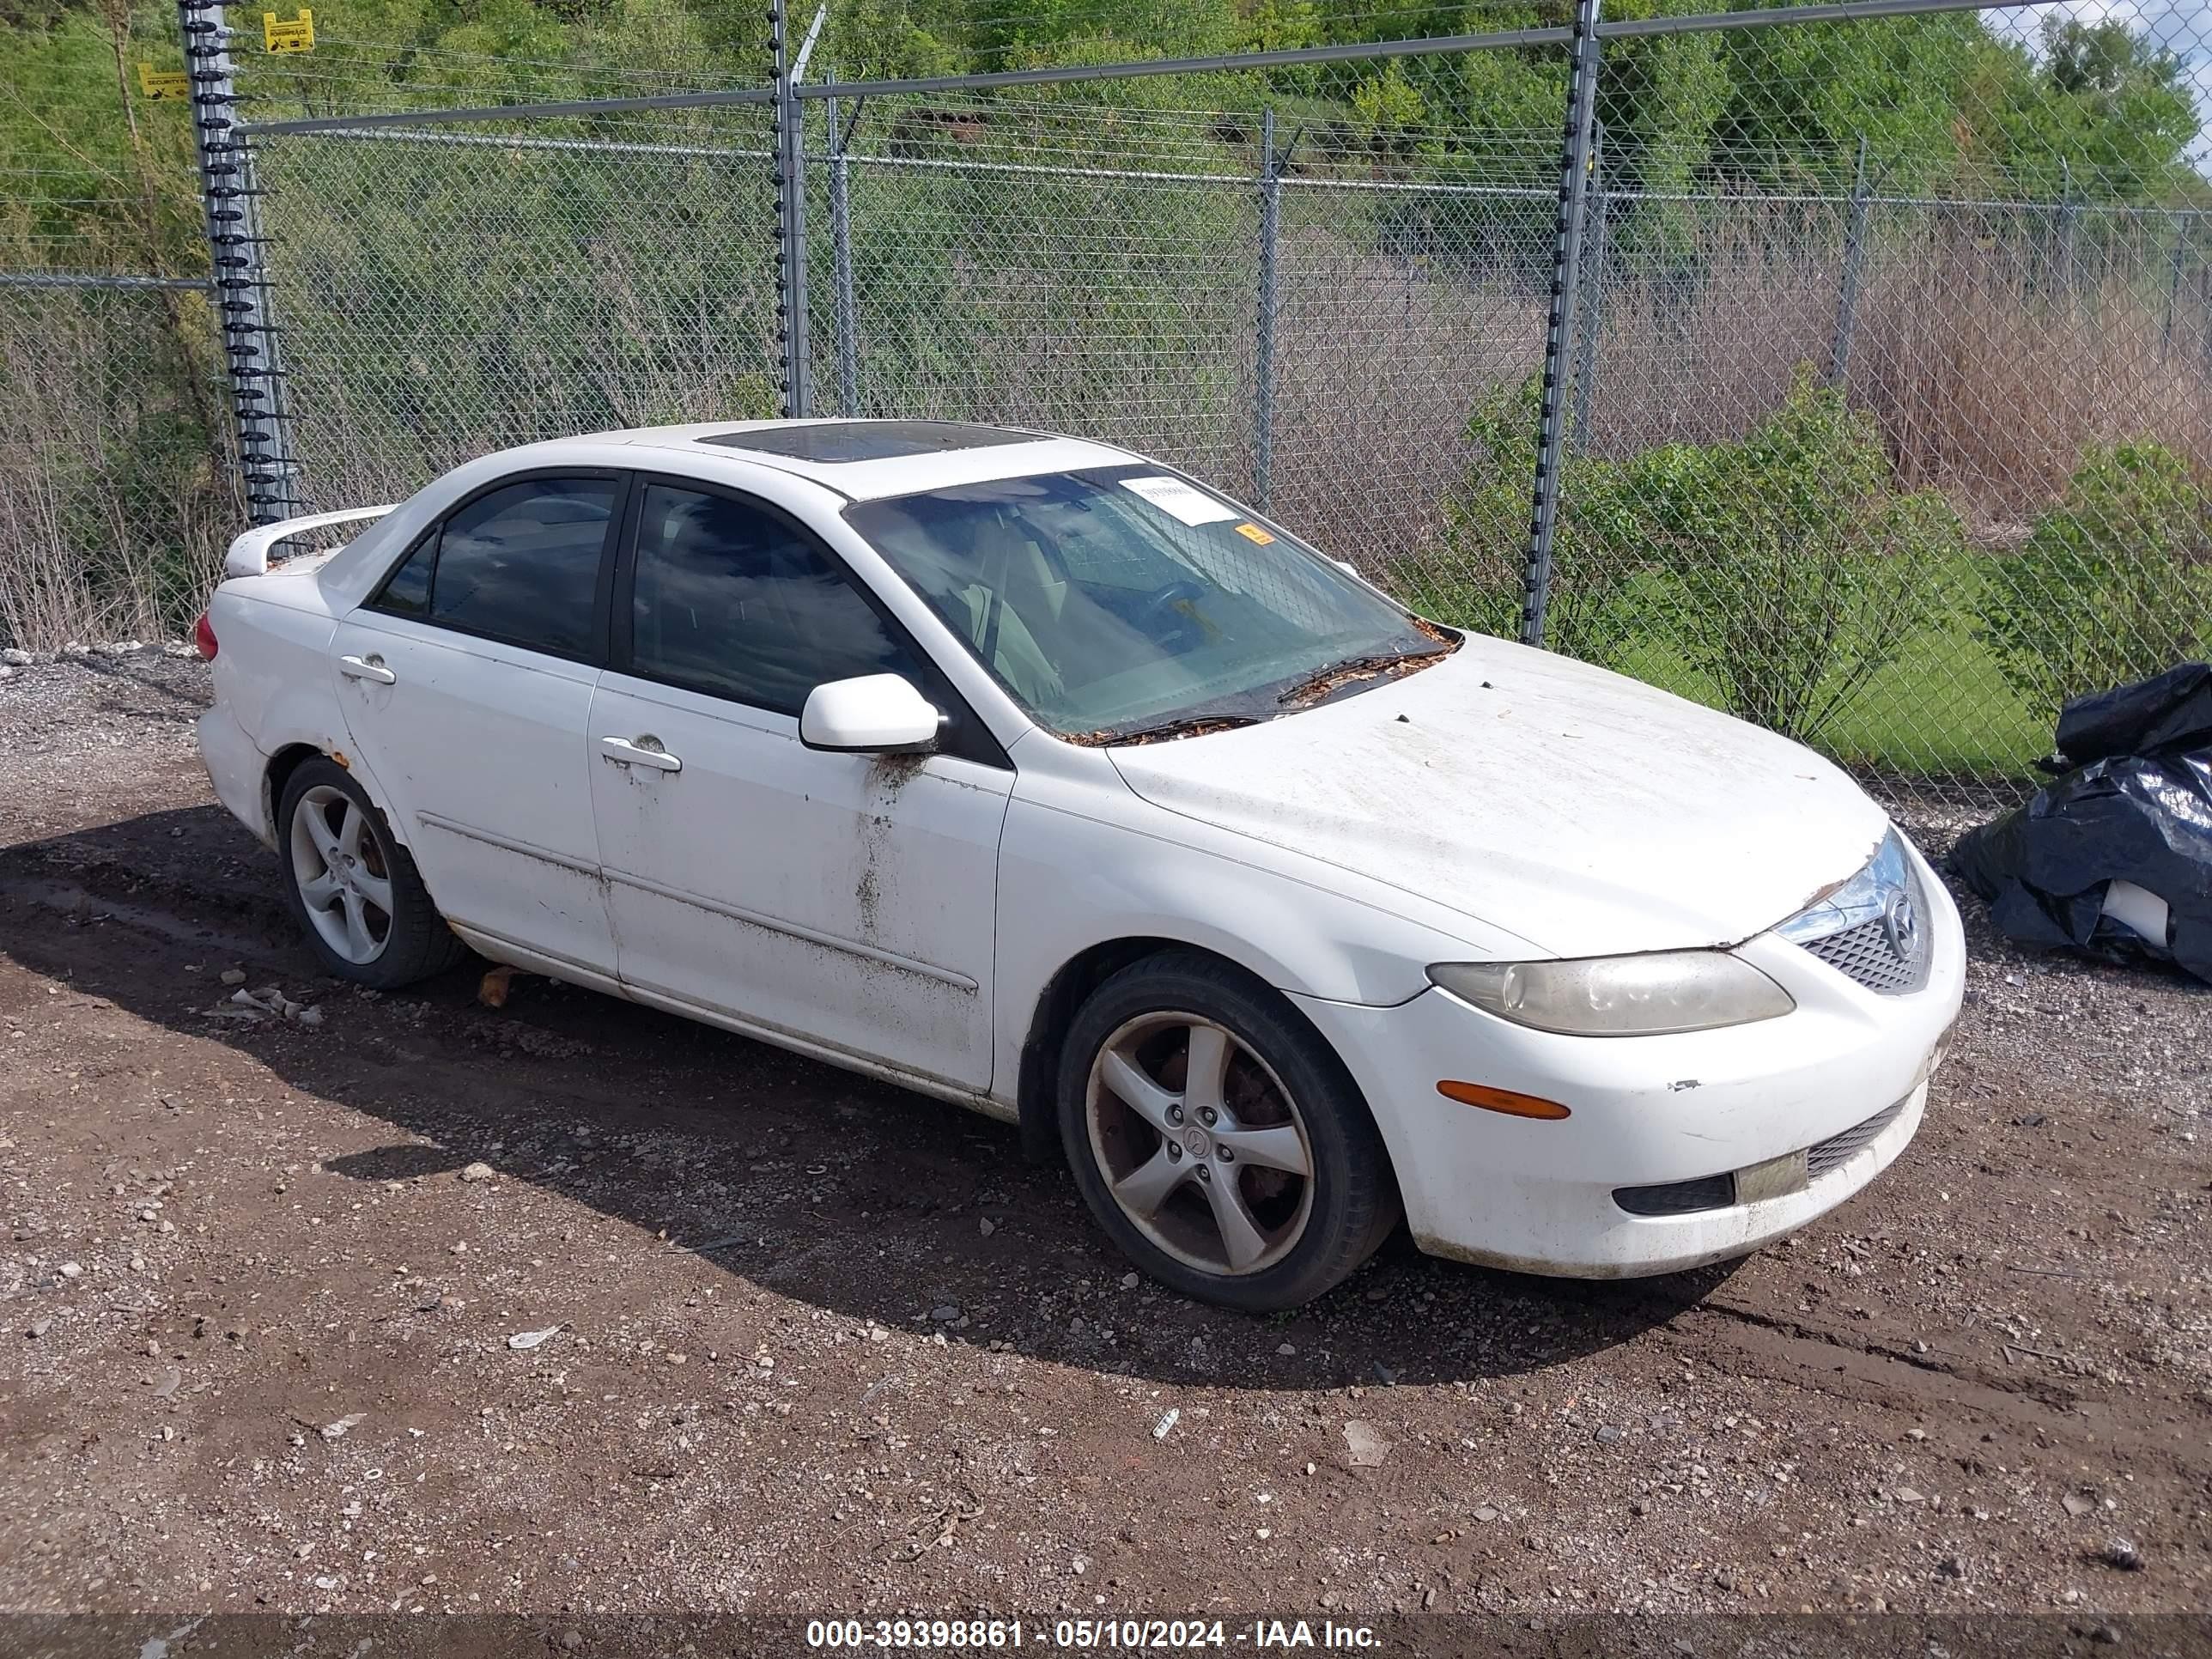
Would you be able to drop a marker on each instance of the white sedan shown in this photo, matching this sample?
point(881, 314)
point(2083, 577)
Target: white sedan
point(1035, 776)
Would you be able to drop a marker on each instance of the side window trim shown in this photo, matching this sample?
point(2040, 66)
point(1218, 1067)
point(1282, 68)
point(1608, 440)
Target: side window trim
point(621, 613)
point(599, 655)
point(966, 737)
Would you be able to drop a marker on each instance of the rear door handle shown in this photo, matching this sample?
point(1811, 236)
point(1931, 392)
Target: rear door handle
point(367, 668)
point(623, 752)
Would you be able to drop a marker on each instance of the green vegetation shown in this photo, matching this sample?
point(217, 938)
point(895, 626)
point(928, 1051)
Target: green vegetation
point(1800, 570)
point(1788, 578)
point(1943, 101)
point(2114, 583)
point(1477, 580)
point(439, 300)
point(1784, 571)
point(1939, 707)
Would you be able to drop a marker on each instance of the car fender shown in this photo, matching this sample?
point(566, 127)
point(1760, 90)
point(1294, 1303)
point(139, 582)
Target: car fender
point(1085, 863)
point(272, 671)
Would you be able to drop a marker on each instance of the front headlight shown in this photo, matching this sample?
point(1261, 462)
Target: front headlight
point(1620, 996)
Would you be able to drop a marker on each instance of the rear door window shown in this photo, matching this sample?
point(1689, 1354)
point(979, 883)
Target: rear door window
point(520, 563)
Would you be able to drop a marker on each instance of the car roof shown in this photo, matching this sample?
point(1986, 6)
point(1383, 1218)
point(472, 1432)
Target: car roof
point(870, 460)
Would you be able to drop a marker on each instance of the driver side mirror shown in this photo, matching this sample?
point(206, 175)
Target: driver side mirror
point(873, 715)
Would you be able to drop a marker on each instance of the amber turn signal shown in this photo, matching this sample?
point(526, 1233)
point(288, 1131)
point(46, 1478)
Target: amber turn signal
point(1501, 1100)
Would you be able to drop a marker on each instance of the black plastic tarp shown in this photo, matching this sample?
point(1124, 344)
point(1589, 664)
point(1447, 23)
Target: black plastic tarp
point(2137, 807)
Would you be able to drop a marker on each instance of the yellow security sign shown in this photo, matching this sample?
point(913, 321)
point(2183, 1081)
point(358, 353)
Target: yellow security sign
point(297, 35)
point(163, 83)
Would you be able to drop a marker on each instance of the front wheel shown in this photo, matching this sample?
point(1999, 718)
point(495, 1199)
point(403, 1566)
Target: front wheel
point(1218, 1139)
point(352, 886)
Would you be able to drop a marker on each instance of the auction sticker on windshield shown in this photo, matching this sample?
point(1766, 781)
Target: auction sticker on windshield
point(1185, 501)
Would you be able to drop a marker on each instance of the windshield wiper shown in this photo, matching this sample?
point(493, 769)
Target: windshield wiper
point(1348, 668)
point(1183, 726)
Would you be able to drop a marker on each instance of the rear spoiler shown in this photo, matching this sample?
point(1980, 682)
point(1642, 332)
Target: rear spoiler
point(249, 554)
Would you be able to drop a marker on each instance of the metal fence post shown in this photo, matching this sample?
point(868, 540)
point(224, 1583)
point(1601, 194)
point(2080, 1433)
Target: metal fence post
point(841, 250)
point(2173, 288)
point(268, 463)
point(2066, 217)
point(2204, 300)
point(1567, 271)
point(791, 220)
point(1847, 293)
point(1591, 297)
point(1263, 390)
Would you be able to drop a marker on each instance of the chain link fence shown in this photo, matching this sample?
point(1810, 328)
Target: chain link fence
point(1881, 416)
point(1894, 475)
point(990, 267)
point(118, 483)
point(441, 293)
point(115, 493)
point(114, 503)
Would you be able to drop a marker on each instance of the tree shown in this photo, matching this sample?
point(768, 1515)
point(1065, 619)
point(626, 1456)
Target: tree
point(2104, 57)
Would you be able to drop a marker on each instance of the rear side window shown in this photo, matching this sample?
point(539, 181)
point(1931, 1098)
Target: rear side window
point(520, 564)
point(732, 601)
point(407, 590)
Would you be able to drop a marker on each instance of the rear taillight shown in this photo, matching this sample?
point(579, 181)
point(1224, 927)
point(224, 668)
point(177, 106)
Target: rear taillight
point(203, 637)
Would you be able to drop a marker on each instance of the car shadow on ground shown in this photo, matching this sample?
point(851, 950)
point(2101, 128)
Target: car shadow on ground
point(855, 1196)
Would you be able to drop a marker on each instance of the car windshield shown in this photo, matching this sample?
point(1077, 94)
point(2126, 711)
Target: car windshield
point(1126, 601)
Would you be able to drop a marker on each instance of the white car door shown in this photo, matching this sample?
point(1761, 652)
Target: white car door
point(845, 901)
point(466, 683)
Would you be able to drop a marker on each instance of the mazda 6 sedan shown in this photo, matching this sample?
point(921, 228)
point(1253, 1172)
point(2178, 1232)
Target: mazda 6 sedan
point(1027, 773)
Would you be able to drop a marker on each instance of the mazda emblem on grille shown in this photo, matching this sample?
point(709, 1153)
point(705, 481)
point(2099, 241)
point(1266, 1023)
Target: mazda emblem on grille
point(1872, 929)
point(1900, 926)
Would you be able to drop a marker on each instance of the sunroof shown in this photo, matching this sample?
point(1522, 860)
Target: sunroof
point(865, 440)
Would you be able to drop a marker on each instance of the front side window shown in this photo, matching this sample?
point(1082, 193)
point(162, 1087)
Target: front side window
point(1122, 601)
point(733, 601)
point(520, 563)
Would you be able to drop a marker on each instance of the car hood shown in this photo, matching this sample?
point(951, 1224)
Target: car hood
point(1584, 811)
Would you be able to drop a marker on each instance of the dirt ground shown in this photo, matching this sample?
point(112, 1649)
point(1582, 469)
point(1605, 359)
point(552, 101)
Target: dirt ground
point(822, 1347)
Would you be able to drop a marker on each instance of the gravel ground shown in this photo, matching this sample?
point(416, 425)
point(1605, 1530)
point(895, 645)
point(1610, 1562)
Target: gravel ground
point(811, 1345)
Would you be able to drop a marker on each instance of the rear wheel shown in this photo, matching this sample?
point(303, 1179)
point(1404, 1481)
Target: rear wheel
point(1218, 1139)
point(354, 889)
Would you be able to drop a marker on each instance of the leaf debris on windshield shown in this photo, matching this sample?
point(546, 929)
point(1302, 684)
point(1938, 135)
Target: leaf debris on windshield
point(1361, 668)
point(1166, 731)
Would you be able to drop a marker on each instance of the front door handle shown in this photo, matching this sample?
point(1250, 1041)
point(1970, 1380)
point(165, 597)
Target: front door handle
point(367, 668)
point(623, 752)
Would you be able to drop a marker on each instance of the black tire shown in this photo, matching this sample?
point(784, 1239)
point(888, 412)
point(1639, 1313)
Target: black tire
point(1352, 1203)
point(415, 942)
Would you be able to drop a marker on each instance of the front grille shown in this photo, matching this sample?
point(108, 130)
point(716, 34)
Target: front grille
point(1839, 1149)
point(1874, 928)
point(1677, 1197)
point(1865, 955)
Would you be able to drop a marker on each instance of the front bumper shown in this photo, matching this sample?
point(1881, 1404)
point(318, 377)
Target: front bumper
point(1539, 1196)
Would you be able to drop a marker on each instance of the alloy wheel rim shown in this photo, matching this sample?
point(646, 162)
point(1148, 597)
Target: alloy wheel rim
point(1202, 1145)
point(337, 865)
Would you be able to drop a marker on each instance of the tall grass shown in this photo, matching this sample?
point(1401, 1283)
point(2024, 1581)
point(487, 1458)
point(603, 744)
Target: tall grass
point(1991, 387)
point(1988, 364)
point(1381, 360)
point(114, 503)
